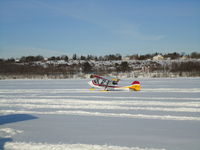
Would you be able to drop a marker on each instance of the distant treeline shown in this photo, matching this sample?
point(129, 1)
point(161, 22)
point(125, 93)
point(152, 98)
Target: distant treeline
point(67, 67)
point(172, 56)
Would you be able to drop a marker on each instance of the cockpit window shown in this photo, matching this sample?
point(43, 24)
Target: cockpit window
point(96, 81)
point(114, 83)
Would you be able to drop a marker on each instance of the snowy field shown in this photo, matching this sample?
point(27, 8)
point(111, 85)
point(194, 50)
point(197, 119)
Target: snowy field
point(66, 115)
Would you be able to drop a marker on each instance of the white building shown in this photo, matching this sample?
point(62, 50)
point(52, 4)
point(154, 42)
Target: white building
point(125, 58)
point(158, 57)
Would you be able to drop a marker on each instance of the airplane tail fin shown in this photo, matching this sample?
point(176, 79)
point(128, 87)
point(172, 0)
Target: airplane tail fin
point(135, 86)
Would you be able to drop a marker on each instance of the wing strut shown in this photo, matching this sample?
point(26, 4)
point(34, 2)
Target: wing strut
point(106, 85)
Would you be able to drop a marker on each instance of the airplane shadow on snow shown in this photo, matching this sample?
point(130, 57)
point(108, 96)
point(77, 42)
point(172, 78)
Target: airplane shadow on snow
point(12, 118)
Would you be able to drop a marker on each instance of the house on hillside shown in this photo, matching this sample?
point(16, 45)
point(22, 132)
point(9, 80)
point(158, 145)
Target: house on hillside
point(158, 57)
point(184, 58)
point(125, 58)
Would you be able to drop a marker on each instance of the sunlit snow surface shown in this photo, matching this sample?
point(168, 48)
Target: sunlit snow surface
point(65, 114)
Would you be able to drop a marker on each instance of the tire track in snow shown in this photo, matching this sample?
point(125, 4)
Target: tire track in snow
point(45, 146)
point(111, 102)
point(99, 107)
point(100, 97)
point(100, 114)
point(34, 99)
point(178, 90)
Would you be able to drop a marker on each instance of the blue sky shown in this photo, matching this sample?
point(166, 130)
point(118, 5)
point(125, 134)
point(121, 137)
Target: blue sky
point(98, 27)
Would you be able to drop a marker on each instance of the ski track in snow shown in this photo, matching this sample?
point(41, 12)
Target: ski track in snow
point(172, 90)
point(45, 146)
point(99, 107)
point(55, 104)
point(100, 114)
point(83, 102)
point(8, 132)
point(35, 96)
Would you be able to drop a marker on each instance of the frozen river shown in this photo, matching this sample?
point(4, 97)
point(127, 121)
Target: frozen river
point(65, 114)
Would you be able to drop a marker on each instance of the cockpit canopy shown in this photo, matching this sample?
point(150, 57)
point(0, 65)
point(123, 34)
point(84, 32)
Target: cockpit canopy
point(105, 80)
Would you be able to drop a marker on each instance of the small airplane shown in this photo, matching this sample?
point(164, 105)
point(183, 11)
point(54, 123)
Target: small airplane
point(110, 84)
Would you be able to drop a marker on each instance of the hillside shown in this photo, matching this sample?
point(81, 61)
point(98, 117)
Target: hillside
point(113, 65)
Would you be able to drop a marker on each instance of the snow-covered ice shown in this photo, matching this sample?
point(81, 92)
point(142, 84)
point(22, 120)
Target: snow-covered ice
point(65, 114)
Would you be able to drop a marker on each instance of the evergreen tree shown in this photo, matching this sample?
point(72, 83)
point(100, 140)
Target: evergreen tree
point(87, 68)
point(74, 57)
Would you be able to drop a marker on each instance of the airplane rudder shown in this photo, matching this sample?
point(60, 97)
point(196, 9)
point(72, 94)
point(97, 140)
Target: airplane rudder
point(135, 86)
point(135, 82)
